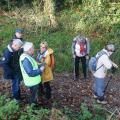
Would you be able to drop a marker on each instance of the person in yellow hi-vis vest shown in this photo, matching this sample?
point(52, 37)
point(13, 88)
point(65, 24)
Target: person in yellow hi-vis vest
point(30, 71)
point(45, 55)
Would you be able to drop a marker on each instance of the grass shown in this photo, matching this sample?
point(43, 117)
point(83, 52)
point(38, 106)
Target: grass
point(99, 27)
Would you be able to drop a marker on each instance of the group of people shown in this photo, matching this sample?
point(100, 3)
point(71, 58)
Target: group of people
point(80, 51)
point(20, 63)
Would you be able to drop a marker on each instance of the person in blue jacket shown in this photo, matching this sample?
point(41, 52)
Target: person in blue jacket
point(18, 34)
point(31, 72)
point(10, 64)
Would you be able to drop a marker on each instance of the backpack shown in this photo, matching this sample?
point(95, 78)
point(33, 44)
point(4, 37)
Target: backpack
point(83, 47)
point(93, 62)
point(82, 42)
point(52, 64)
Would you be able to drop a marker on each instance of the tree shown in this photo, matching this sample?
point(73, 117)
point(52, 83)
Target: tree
point(49, 10)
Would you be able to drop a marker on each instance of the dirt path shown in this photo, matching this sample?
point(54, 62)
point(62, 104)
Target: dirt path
point(71, 94)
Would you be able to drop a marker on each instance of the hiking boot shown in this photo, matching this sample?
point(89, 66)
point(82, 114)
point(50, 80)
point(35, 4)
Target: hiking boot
point(95, 96)
point(76, 79)
point(101, 102)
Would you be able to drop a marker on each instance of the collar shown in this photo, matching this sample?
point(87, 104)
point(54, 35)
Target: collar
point(10, 48)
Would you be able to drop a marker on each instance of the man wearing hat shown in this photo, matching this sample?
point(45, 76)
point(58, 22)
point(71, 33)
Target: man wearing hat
point(80, 51)
point(103, 64)
point(18, 34)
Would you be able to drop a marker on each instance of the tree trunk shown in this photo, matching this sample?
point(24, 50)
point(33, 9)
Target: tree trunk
point(49, 11)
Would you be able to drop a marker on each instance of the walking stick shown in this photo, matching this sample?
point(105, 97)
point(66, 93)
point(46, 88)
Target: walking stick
point(110, 78)
point(74, 69)
point(87, 64)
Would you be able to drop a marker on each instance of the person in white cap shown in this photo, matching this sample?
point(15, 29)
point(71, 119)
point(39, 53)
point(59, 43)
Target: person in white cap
point(10, 63)
point(30, 71)
point(103, 64)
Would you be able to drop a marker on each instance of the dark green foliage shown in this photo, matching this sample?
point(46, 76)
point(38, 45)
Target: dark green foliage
point(98, 22)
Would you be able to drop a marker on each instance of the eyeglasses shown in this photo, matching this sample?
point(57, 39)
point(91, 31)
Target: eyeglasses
point(42, 47)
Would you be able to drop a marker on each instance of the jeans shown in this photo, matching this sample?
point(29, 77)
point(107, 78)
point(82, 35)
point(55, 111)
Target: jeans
point(16, 86)
point(99, 87)
point(34, 93)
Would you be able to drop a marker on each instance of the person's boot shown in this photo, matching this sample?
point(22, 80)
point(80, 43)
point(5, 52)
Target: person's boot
point(76, 78)
point(101, 101)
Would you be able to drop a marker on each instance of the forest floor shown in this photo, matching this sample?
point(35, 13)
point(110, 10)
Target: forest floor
point(70, 94)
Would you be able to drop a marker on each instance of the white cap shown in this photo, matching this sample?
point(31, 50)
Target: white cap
point(27, 46)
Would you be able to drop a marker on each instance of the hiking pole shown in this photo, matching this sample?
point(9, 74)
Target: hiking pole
point(73, 68)
point(110, 78)
point(87, 65)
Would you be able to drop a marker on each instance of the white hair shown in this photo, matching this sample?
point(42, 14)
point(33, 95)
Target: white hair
point(17, 42)
point(110, 47)
point(27, 46)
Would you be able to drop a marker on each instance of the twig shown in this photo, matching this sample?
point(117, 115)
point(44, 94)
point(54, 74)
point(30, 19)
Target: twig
point(112, 114)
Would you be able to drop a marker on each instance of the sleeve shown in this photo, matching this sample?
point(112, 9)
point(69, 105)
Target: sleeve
point(48, 60)
point(6, 59)
point(88, 45)
point(107, 62)
point(73, 46)
point(29, 69)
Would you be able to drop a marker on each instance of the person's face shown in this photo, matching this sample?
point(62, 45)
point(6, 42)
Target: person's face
point(16, 47)
point(43, 48)
point(18, 35)
point(31, 50)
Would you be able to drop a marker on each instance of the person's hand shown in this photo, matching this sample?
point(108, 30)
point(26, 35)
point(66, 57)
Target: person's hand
point(114, 65)
point(87, 57)
point(42, 68)
point(74, 55)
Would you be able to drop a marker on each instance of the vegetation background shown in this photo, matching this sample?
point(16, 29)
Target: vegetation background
point(58, 22)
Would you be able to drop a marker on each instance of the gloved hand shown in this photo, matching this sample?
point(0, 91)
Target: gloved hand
point(87, 57)
point(113, 69)
point(114, 65)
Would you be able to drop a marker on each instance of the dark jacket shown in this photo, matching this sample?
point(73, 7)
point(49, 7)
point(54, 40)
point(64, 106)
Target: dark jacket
point(10, 62)
point(15, 37)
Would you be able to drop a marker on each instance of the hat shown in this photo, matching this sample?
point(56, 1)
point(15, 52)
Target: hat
point(27, 46)
point(110, 47)
point(19, 30)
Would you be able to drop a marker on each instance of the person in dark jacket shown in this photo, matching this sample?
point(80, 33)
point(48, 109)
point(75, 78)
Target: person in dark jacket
point(10, 64)
point(18, 34)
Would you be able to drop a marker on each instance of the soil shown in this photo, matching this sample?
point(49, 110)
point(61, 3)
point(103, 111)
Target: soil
point(69, 93)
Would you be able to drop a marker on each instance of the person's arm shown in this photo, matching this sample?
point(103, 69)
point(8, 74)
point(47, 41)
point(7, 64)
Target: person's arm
point(107, 62)
point(88, 46)
point(73, 47)
point(29, 69)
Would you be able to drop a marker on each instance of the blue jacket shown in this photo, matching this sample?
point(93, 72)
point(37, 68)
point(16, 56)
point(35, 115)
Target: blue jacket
point(29, 69)
point(10, 62)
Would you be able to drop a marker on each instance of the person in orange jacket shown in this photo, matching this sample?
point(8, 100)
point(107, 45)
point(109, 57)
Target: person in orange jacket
point(44, 57)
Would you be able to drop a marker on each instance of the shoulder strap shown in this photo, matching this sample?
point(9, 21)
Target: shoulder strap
point(99, 55)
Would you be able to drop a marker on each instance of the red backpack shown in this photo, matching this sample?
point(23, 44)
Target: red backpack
point(83, 47)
